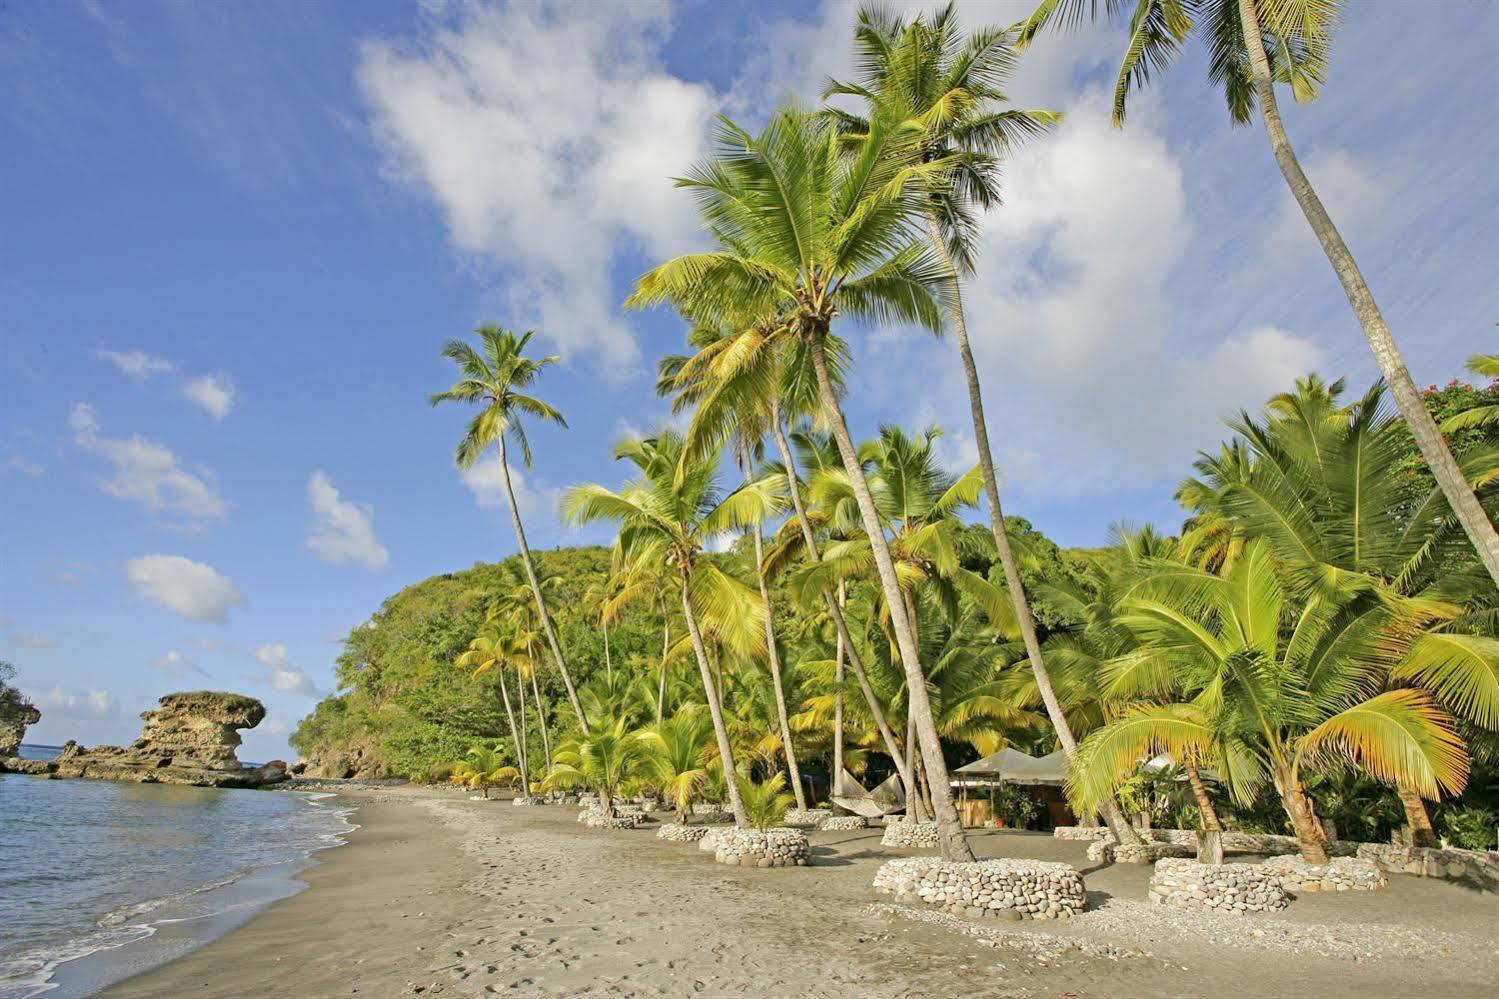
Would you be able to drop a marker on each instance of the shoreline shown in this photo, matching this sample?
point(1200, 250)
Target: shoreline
point(438, 894)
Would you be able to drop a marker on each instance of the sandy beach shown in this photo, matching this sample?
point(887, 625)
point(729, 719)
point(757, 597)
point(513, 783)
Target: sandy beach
point(436, 894)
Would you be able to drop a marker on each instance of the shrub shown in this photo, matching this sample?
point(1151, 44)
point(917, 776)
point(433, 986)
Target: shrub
point(1470, 828)
point(765, 803)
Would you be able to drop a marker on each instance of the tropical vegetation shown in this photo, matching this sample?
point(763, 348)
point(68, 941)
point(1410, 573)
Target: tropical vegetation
point(1315, 649)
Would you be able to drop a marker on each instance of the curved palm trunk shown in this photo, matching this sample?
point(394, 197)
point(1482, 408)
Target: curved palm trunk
point(1118, 825)
point(520, 749)
point(950, 827)
point(837, 706)
point(541, 718)
point(1204, 803)
point(541, 604)
point(608, 663)
point(715, 709)
point(773, 657)
point(1464, 502)
point(835, 611)
point(1303, 816)
point(1416, 816)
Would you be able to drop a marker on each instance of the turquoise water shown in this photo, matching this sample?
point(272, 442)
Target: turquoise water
point(101, 880)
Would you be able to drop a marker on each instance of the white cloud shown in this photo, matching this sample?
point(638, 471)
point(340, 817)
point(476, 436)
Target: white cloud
point(136, 364)
point(184, 587)
point(282, 674)
point(212, 644)
point(342, 531)
point(148, 473)
point(536, 501)
point(176, 665)
point(546, 135)
point(17, 461)
point(214, 394)
point(90, 705)
point(31, 640)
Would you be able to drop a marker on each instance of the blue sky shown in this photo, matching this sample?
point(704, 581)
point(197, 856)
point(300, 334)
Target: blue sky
point(235, 236)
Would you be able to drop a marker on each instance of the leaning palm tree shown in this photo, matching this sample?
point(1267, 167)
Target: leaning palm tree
point(805, 234)
point(951, 88)
point(1253, 45)
point(493, 377)
point(665, 519)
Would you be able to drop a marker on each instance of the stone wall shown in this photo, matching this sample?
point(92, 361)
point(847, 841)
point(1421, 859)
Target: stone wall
point(1263, 844)
point(1340, 874)
point(771, 848)
point(841, 823)
point(594, 818)
point(1104, 851)
point(677, 833)
point(805, 818)
point(1452, 864)
point(1223, 887)
point(1010, 889)
point(903, 834)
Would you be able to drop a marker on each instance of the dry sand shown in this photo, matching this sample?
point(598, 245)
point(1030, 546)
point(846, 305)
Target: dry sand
point(436, 894)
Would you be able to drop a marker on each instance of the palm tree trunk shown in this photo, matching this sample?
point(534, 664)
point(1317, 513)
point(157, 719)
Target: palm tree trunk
point(913, 793)
point(838, 705)
point(520, 685)
point(665, 651)
point(1303, 816)
point(608, 665)
point(1464, 502)
point(541, 715)
point(773, 657)
point(520, 749)
point(950, 827)
point(1416, 816)
point(715, 709)
point(1204, 803)
point(1118, 825)
point(541, 604)
point(835, 609)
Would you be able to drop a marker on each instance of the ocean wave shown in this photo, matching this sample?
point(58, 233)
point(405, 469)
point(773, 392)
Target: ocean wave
point(32, 972)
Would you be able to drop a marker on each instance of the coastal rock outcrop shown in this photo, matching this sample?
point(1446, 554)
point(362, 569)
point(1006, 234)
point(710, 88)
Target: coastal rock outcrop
point(190, 738)
point(13, 727)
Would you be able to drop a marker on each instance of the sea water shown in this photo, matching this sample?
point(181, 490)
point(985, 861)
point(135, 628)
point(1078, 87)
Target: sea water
point(102, 880)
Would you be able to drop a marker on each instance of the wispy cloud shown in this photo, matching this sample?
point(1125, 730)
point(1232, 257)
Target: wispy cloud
point(136, 364)
point(177, 666)
point(148, 473)
point(342, 532)
point(282, 674)
point(214, 394)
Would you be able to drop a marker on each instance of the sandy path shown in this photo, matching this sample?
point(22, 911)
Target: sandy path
point(439, 895)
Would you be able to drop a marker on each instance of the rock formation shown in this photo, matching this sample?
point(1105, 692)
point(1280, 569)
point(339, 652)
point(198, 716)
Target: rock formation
point(13, 728)
point(189, 739)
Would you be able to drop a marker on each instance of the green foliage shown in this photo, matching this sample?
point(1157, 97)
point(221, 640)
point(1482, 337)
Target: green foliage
point(765, 802)
point(1012, 804)
point(13, 703)
point(1471, 828)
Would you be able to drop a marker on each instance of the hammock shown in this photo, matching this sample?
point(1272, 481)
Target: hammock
point(888, 797)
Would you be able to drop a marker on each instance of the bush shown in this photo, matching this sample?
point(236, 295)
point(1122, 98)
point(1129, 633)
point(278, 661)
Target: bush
point(438, 773)
point(1014, 806)
point(1470, 828)
point(765, 803)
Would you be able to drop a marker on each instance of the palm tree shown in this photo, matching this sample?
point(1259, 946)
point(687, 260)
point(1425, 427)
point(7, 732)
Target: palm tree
point(806, 234)
point(742, 382)
point(1298, 37)
point(493, 378)
point(484, 766)
point(1486, 415)
point(665, 520)
point(1320, 482)
point(493, 649)
point(679, 753)
point(603, 758)
point(950, 88)
point(1266, 683)
point(767, 801)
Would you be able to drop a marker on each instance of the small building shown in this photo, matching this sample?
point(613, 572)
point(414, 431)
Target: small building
point(1042, 778)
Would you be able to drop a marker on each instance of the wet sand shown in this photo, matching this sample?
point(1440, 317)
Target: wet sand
point(436, 894)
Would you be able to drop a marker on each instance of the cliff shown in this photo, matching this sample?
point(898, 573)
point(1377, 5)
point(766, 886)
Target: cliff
point(190, 738)
point(13, 727)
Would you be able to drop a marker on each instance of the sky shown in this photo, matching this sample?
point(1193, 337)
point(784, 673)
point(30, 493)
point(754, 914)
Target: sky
point(233, 238)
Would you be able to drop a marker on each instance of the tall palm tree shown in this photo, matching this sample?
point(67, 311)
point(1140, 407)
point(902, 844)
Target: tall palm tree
point(1254, 44)
point(951, 89)
point(741, 382)
point(665, 520)
point(805, 234)
point(493, 377)
point(493, 649)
